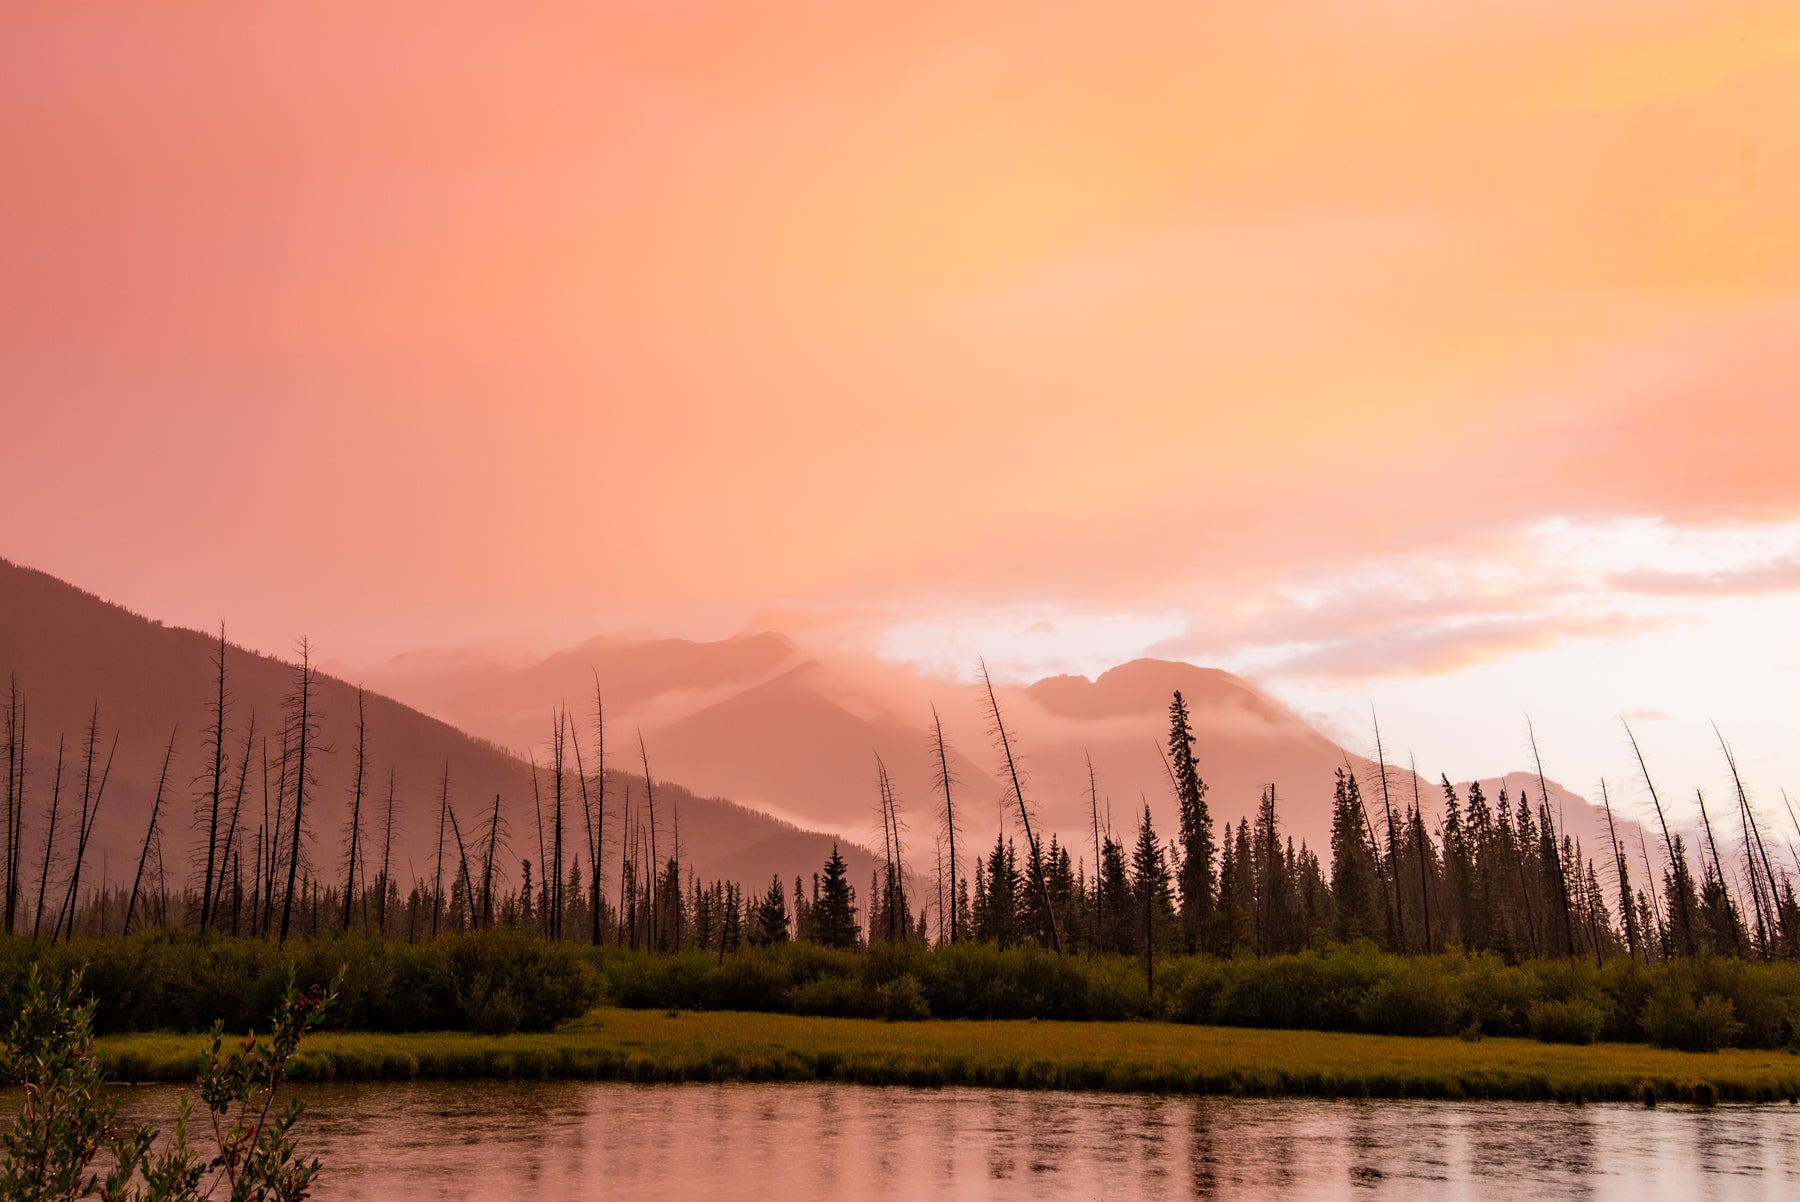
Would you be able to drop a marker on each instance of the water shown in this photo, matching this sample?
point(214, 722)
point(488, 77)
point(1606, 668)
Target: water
point(798, 1142)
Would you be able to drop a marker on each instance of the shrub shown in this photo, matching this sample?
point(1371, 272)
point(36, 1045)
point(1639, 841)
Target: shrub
point(67, 1122)
point(1673, 1019)
point(904, 1001)
point(1575, 1021)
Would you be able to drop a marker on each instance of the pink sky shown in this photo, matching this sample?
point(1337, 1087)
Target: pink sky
point(1401, 352)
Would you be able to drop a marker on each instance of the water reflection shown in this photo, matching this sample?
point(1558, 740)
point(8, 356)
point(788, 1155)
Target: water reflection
point(788, 1142)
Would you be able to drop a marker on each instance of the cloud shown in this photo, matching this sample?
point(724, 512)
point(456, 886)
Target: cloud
point(1441, 649)
point(1776, 576)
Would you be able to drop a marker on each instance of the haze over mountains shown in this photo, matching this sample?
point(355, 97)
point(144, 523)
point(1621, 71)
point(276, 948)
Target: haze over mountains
point(71, 651)
point(791, 741)
point(757, 719)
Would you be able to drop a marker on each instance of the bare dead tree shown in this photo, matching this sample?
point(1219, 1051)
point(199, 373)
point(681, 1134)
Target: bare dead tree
point(387, 850)
point(675, 902)
point(15, 798)
point(1755, 832)
point(468, 882)
point(356, 799)
point(555, 881)
point(90, 810)
point(1687, 920)
point(37, 921)
point(231, 828)
point(305, 733)
point(487, 868)
point(624, 862)
point(1094, 814)
point(537, 810)
point(215, 743)
point(1004, 743)
point(1420, 839)
point(1718, 870)
point(599, 837)
point(650, 801)
point(1562, 879)
point(587, 820)
point(437, 882)
point(947, 825)
point(1387, 807)
point(150, 834)
point(1625, 900)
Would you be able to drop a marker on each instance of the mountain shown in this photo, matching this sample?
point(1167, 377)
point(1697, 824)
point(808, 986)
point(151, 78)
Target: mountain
point(71, 652)
point(756, 719)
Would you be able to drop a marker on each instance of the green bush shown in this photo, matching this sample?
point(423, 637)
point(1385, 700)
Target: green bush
point(904, 1001)
point(1575, 1021)
point(1674, 1019)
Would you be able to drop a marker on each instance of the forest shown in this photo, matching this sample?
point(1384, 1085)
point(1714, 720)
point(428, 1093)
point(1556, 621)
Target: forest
point(1497, 921)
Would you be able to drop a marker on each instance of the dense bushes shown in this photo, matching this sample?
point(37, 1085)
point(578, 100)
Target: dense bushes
point(501, 981)
point(495, 982)
point(1689, 1004)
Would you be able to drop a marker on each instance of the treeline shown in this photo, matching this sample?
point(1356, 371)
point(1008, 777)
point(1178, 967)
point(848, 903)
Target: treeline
point(602, 867)
point(494, 982)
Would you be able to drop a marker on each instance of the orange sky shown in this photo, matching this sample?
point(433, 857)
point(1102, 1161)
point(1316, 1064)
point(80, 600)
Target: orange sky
point(1385, 350)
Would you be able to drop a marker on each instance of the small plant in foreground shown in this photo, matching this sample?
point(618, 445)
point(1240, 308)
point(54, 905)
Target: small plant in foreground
point(67, 1141)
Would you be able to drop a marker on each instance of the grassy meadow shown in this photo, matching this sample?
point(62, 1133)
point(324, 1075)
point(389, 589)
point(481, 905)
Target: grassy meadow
point(661, 1046)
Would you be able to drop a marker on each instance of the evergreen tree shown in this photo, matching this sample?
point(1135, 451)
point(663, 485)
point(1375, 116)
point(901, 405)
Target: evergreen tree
point(1152, 893)
point(834, 920)
point(1231, 920)
point(770, 925)
point(1354, 884)
point(999, 922)
point(1196, 838)
point(1117, 931)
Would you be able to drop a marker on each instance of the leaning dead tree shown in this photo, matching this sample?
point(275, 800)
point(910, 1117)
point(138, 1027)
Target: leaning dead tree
point(149, 835)
point(91, 796)
point(1687, 919)
point(650, 805)
point(37, 921)
point(1005, 745)
point(437, 884)
point(1393, 856)
point(1562, 878)
point(944, 779)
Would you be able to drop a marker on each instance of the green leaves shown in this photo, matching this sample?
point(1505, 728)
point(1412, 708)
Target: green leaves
point(67, 1119)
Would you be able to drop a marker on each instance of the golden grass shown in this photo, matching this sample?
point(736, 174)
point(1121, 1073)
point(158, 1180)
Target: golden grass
point(639, 1045)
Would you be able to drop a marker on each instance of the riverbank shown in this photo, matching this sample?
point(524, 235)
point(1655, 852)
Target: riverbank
point(655, 1046)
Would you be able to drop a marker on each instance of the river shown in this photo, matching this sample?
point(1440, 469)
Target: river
point(795, 1143)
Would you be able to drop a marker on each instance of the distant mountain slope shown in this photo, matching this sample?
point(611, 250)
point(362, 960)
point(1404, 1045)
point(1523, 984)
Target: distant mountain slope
point(798, 737)
point(71, 651)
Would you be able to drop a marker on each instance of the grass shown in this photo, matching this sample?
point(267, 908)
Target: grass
point(655, 1046)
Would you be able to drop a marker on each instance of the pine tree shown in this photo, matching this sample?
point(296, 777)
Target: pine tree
point(1231, 919)
point(1354, 883)
point(770, 926)
point(1196, 838)
point(835, 919)
point(1152, 894)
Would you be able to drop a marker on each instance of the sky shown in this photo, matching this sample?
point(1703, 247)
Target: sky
point(1440, 360)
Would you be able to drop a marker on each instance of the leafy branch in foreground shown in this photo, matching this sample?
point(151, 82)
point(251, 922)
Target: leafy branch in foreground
point(68, 1124)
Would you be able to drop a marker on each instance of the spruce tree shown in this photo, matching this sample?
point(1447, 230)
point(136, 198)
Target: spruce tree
point(1354, 884)
point(834, 921)
point(770, 925)
point(1152, 893)
point(1196, 837)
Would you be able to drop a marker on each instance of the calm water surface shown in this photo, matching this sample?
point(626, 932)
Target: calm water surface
point(799, 1142)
